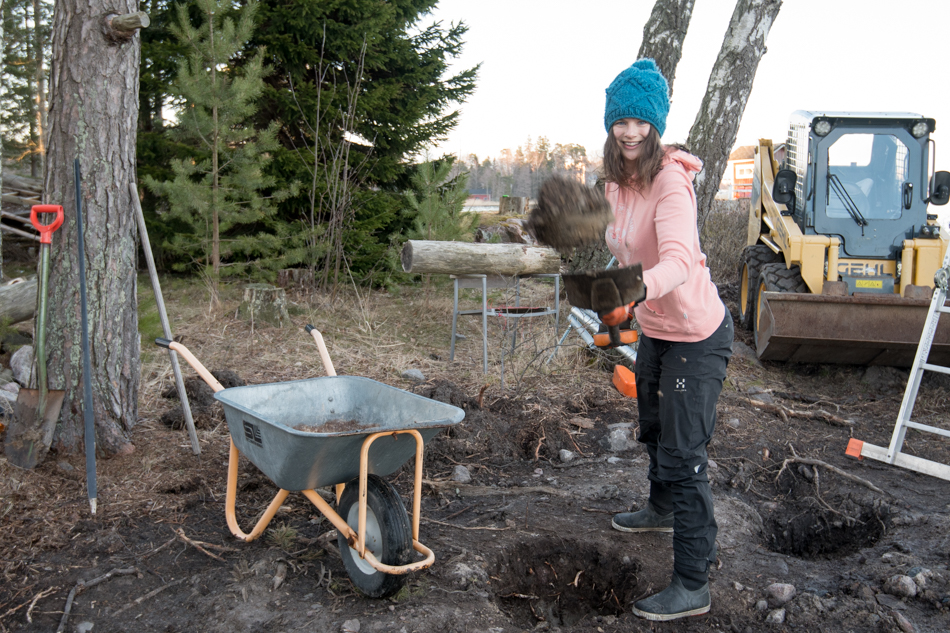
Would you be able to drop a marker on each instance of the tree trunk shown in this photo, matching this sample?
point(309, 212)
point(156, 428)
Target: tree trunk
point(94, 86)
point(663, 35)
point(714, 132)
point(461, 258)
point(1, 159)
point(40, 77)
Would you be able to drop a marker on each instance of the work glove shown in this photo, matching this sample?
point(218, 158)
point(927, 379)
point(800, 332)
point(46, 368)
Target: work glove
point(618, 315)
point(624, 313)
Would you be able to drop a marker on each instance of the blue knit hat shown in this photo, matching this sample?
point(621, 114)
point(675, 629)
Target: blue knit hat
point(639, 92)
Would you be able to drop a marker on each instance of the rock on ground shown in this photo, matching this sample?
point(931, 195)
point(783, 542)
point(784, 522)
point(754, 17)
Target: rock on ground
point(21, 363)
point(461, 475)
point(902, 586)
point(780, 593)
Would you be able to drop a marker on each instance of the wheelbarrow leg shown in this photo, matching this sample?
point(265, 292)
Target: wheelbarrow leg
point(232, 495)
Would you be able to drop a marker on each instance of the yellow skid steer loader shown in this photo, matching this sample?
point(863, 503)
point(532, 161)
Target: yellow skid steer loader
point(842, 251)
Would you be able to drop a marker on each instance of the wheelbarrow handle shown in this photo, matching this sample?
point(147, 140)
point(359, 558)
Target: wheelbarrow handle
point(46, 230)
point(322, 347)
point(191, 360)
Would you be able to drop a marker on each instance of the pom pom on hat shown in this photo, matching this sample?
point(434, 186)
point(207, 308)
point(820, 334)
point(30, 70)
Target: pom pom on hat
point(639, 92)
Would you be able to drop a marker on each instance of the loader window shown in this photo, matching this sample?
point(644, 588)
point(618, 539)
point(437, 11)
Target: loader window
point(871, 170)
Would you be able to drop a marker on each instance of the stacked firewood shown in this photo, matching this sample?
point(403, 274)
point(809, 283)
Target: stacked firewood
point(20, 193)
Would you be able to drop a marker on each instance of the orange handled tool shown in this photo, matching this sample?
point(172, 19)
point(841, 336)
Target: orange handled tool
point(46, 230)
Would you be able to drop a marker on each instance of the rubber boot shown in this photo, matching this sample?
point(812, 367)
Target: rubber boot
point(674, 602)
point(645, 520)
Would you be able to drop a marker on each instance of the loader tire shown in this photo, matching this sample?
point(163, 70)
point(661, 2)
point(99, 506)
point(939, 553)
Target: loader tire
point(776, 278)
point(750, 265)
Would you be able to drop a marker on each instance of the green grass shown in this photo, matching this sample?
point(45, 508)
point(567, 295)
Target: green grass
point(150, 325)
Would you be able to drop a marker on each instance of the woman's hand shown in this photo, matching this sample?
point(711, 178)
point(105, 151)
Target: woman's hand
point(618, 315)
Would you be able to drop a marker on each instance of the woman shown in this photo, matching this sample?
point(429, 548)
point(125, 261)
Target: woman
point(687, 332)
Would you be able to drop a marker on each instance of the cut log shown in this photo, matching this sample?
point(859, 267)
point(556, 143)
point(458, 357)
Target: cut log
point(129, 21)
point(18, 301)
point(462, 258)
point(26, 183)
point(264, 303)
point(513, 205)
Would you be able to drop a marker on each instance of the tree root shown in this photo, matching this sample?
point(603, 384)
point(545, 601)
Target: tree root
point(83, 585)
point(817, 462)
point(200, 545)
point(785, 413)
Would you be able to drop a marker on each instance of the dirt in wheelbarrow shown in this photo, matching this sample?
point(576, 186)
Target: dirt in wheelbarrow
point(334, 426)
point(516, 505)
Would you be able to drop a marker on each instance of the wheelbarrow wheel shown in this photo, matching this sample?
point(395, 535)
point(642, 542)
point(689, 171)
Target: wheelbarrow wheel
point(388, 536)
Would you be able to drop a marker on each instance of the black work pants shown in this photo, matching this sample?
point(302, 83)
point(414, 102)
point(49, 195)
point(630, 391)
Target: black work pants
point(678, 385)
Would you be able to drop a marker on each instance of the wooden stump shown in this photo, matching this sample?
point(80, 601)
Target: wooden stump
point(294, 277)
point(513, 205)
point(264, 303)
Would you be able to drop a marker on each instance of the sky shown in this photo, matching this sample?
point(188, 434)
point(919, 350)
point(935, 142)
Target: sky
point(545, 66)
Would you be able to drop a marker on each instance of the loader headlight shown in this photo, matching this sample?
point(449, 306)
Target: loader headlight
point(822, 127)
point(920, 129)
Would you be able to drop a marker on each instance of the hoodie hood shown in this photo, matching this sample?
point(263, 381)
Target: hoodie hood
point(690, 163)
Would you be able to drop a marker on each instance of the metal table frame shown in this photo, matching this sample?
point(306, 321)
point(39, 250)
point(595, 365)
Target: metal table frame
point(484, 282)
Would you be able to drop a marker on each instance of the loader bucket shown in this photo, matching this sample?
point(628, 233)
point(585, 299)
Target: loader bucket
point(851, 330)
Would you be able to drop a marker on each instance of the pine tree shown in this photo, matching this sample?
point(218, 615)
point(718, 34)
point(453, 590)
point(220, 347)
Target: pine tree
point(437, 204)
point(220, 193)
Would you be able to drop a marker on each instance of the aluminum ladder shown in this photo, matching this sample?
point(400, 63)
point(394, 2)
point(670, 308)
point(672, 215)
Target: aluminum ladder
point(892, 454)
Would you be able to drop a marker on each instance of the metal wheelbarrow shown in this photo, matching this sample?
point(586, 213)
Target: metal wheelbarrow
point(344, 431)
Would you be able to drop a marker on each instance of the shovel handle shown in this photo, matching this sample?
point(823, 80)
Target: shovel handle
point(46, 230)
point(614, 335)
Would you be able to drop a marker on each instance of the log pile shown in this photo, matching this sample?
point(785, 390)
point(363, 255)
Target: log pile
point(20, 193)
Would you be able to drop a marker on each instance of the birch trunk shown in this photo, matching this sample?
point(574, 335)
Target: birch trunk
point(663, 35)
point(714, 132)
point(94, 92)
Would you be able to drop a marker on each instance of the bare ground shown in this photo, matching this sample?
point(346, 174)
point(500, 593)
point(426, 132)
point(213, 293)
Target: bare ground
point(527, 543)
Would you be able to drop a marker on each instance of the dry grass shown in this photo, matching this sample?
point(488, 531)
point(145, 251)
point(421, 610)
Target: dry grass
point(724, 237)
point(374, 334)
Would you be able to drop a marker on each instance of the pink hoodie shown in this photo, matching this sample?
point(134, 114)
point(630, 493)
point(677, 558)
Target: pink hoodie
point(658, 229)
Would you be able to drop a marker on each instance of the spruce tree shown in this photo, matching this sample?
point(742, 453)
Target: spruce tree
point(407, 101)
point(222, 194)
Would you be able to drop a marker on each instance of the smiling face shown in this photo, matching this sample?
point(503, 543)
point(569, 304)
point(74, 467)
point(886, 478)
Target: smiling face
point(630, 135)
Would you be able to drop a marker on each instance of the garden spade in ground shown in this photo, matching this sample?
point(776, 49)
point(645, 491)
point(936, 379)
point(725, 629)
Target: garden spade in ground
point(37, 410)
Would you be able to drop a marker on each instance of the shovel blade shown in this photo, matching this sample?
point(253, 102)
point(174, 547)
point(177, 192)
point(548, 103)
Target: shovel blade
point(30, 434)
point(606, 289)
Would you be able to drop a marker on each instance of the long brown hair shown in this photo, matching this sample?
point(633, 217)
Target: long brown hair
point(640, 173)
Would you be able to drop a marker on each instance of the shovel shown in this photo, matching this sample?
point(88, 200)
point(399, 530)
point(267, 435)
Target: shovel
point(605, 290)
point(37, 410)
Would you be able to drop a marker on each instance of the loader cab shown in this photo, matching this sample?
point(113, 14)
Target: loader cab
point(862, 177)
